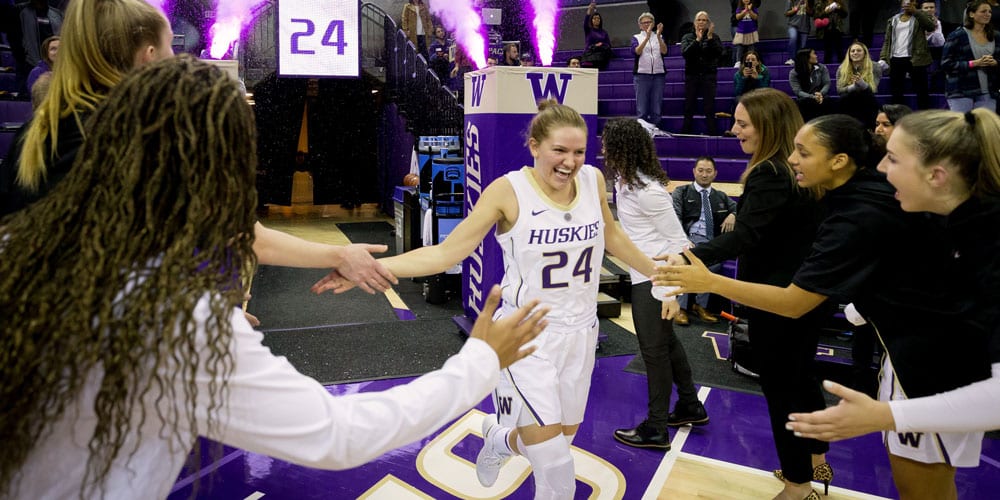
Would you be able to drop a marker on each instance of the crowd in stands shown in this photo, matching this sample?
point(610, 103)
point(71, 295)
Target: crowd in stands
point(917, 46)
point(914, 48)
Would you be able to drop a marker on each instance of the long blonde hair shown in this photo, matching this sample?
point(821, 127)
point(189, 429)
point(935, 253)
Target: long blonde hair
point(846, 69)
point(98, 46)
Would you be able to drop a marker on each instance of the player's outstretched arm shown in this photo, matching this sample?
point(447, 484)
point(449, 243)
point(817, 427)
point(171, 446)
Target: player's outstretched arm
point(353, 262)
point(496, 201)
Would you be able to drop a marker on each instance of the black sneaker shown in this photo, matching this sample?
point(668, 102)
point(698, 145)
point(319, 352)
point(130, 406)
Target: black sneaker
point(691, 415)
point(644, 436)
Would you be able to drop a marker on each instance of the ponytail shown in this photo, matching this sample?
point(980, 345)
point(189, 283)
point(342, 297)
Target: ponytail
point(967, 142)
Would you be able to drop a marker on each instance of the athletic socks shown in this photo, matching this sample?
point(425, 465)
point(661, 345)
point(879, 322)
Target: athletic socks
point(552, 466)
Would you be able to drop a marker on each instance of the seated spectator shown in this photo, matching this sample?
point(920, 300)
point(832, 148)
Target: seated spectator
point(969, 60)
point(492, 61)
point(50, 50)
point(527, 59)
point(702, 225)
point(810, 83)
point(510, 55)
point(885, 121)
point(597, 52)
point(574, 62)
point(857, 82)
point(753, 74)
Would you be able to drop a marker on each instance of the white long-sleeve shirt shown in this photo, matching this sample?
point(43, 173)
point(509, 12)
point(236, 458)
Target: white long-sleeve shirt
point(272, 409)
point(975, 407)
point(648, 218)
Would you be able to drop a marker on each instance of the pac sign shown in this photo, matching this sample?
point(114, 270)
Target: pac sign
point(319, 38)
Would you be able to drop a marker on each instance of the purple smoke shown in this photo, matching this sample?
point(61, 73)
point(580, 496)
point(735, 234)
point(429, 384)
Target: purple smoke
point(231, 16)
point(459, 17)
point(544, 23)
point(163, 5)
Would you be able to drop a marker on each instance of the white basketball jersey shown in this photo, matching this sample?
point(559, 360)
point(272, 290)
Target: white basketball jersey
point(553, 252)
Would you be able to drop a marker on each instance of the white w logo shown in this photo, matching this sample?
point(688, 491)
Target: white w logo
point(478, 82)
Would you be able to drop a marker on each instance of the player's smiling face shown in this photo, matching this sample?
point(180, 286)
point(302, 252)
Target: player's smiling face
point(559, 156)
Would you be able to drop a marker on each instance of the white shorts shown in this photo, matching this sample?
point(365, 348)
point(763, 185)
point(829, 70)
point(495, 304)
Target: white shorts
point(550, 386)
point(952, 448)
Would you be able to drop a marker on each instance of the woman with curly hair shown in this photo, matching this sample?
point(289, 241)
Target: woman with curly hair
point(646, 213)
point(122, 342)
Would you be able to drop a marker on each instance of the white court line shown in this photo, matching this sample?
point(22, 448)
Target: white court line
point(659, 479)
point(669, 459)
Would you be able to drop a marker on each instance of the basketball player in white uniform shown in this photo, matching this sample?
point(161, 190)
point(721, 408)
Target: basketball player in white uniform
point(554, 223)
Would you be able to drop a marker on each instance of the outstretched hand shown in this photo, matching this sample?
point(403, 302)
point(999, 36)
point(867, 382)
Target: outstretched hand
point(672, 259)
point(855, 415)
point(358, 265)
point(333, 282)
point(509, 334)
point(692, 278)
point(669, 309)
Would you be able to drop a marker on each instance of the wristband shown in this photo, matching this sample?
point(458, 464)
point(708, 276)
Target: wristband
point(971, 64)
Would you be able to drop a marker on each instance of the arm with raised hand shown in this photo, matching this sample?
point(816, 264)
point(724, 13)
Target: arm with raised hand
point(354, 261)
point(275, 410)
point(497, 200)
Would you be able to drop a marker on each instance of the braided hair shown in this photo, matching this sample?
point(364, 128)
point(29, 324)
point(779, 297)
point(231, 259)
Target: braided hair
point(99, 280)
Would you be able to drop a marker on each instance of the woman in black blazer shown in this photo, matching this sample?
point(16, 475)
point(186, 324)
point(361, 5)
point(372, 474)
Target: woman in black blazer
point(775, 225)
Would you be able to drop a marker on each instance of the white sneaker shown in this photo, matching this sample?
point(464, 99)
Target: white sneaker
point(790, 62)
point(737, 65)
point(489, 461)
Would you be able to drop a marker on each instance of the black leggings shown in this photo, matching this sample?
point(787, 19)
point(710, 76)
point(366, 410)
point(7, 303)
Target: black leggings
point(784, 350)
point(664, 356)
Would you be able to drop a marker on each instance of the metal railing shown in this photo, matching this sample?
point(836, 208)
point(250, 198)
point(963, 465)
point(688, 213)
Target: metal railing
point(258, 53)
point(430, 108)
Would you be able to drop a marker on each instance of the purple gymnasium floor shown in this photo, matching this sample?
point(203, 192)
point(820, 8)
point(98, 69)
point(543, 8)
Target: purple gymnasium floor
point(736, 444)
